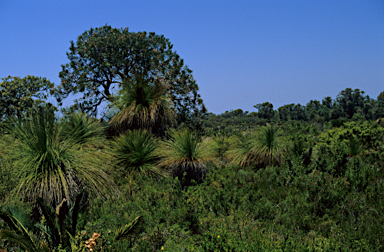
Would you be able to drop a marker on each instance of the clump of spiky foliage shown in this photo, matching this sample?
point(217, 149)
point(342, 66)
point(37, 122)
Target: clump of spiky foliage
point(20, 230)
point(184, 156)
point(219, 145)
point(142, 104)
point(134, 152)
point(82, 128)
point(261, 148)
point(48, 161)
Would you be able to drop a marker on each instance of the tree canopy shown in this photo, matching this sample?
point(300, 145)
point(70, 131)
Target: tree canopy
point(349, 101)
point(265, 110)
point(103, 58)
point(17, 95)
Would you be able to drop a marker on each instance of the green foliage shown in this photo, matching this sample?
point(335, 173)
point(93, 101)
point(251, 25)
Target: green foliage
point(318, 186)
point(19, 232)
point(135, 153)
point(230, 123)
point(264, 147)
point(8, 178)
point(18, 95)
point(59, 225)
point(313, 109)
point(219, 145)
point(129, 229)
point(348, 105)
point(353, 135)
point(57, 229)
point(292, 112)
point(49, 164)
point(273, 209)
point(143, 104)
point(104, 57)
point(265, 110)
point(82, 129)
point(350, 101)
point(184, 156)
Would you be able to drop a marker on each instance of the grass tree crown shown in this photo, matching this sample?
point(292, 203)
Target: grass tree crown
point(184, 156)
point(142, 105)
point(52, 159)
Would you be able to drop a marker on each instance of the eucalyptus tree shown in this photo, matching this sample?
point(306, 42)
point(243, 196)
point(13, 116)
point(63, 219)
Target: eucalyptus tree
point(285, 112)
point(105, 57)
point(18, 95)
point(312, 109)
point(328, 102)
point(350, 101)
point(379, 112)
point(265, 110)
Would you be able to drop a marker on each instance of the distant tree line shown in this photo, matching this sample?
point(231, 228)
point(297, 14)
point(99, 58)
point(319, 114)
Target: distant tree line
point(350, 104)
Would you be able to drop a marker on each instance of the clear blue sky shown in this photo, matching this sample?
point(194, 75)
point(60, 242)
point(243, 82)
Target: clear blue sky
point(241, 52)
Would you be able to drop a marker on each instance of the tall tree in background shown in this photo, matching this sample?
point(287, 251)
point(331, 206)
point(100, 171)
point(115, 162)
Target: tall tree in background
point(292, 112)
point(17, 95)
point(265, 110)
point(285, 112)
point(349, 101)
point(379, 113)
point(312, 109)
point(327, 102)
point(105, 57)
point(298, 112)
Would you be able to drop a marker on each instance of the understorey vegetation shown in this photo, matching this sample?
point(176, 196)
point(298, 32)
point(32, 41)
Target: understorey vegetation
point(283, 186)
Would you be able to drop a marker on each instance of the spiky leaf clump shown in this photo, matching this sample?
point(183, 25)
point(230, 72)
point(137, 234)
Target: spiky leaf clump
point(262, 148)
point(183, 153)
point(20, 230)
point(49, 163)
point(129, 229)
point(219, 145)
point(143, 105)
point(82, 128)
point(134, 152)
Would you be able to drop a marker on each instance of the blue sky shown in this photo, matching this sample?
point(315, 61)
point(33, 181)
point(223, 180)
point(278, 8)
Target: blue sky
point(241, 52)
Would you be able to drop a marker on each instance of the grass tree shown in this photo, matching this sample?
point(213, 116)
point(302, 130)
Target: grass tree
point(142, 104)
point(184, 157)
point(50, 162)
point(219, 145)
point(82, 128)
point(261, 148)
point(134, 152)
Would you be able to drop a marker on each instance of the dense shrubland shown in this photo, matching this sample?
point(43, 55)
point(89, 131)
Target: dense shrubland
point(289, 186)
point(158, 173)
